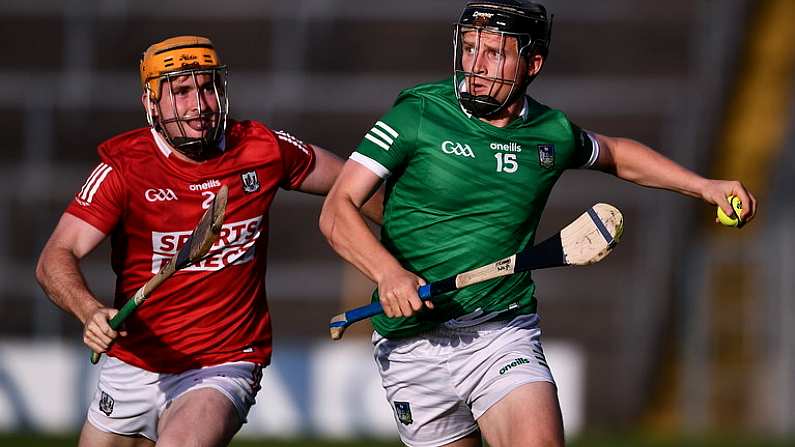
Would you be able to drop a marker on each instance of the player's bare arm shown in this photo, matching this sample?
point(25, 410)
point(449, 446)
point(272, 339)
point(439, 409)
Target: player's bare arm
point(58, 273)
point(327, 168)
point(635, 162)
point(342, 224)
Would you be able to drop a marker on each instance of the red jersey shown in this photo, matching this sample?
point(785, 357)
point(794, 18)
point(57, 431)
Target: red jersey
point(149, 200)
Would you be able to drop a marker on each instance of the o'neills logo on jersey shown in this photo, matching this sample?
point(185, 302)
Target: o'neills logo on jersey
point(507, 147)
point(235, 245)
point(206, 185)
point(453, 148)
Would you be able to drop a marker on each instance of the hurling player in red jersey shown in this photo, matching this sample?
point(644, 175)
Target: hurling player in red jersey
point(187, 365)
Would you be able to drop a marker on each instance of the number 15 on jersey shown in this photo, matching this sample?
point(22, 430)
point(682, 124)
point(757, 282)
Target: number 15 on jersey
point(506, 162)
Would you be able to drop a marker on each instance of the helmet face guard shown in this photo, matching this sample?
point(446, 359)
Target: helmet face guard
point(190, 65)
point(208, 107)
point(469, 40)
point(522, 29)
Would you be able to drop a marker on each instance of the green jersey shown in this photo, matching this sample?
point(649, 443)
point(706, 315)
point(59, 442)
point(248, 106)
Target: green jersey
point(461, 193)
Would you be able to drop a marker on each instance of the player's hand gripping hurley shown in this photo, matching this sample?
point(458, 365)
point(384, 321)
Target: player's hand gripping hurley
point(195, 248)
point(587, 240)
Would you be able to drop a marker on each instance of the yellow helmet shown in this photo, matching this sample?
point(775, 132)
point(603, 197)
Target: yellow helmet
point(174, 55)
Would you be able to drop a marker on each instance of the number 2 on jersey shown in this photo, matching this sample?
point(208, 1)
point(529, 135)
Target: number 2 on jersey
point(506, 162)
point(208, 199)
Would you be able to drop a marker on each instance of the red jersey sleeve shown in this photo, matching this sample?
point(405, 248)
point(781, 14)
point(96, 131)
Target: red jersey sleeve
point(298, 159)
point(100, 201)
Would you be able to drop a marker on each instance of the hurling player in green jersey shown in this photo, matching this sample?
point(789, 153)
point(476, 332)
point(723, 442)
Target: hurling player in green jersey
point(469, 163)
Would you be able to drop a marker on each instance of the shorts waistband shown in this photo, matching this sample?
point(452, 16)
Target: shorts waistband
point(499, 321)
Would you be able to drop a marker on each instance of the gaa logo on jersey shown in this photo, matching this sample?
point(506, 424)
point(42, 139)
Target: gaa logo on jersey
point(250, 182)
point(403, 412)
point(546, 155)
point(160, 195)
point(462, 150)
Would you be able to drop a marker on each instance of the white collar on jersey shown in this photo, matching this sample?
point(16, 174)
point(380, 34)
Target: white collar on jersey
point(166, 148)
point(525, 108)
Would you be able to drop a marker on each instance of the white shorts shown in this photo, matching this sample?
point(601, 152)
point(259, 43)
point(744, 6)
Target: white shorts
point(441, 382)
point(129, 400)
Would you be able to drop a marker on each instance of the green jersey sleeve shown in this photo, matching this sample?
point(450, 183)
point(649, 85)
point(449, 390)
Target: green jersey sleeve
point(388, 145)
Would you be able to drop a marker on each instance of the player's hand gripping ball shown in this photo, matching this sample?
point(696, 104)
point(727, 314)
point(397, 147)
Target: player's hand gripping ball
point(736, 220)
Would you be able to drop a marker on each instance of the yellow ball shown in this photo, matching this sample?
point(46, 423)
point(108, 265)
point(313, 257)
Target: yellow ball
point(738, 211)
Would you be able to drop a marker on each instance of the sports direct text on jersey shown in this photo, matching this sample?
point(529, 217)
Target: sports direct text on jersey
point(234, 246)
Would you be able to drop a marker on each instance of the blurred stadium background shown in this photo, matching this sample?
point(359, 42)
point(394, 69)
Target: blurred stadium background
point(687, 332)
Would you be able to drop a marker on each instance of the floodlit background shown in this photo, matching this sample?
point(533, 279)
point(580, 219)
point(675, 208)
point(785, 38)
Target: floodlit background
point(687, 330)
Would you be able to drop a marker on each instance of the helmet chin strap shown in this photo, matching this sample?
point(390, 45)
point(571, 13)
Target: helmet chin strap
point(197, 149)
point(484, 106)
point(481, 105)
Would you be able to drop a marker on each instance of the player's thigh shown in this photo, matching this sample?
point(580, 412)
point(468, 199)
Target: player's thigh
point(427, 407)
point(201, 417)
point(91, 436)
point(528, 416)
